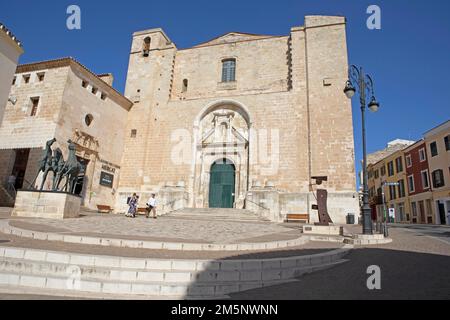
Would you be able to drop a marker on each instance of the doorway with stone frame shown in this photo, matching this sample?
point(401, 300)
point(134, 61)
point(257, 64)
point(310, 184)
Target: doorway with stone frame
point(221, 132)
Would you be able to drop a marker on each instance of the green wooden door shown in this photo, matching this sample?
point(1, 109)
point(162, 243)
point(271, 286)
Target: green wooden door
point(221, 185)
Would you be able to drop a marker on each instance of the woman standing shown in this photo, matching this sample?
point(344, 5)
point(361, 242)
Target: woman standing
point(133, 203)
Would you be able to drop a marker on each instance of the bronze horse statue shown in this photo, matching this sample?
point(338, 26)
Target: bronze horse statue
point(45, 163)
point(58, 165)
point(71, 169)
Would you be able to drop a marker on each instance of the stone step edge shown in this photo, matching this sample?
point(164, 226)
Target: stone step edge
point(57, 293)
point(207, 276)
point(142, 244)
point(368, 241)
point(156, 289)
point(167, 264)
point(124, 288)
point(48, 294)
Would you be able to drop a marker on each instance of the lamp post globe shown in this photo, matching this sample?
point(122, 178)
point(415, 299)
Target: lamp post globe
point(349, 90)
point(374, 105)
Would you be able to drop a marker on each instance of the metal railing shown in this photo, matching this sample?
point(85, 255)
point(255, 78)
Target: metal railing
point(10, 190)
point(257, 204)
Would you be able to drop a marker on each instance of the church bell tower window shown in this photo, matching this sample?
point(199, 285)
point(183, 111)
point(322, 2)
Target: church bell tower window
point(146, 49)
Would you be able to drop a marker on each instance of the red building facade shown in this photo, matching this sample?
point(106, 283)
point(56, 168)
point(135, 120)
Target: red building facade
point(419, 183)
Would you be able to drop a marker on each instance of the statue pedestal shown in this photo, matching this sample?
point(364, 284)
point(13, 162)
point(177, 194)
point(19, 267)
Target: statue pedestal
point(46, 204)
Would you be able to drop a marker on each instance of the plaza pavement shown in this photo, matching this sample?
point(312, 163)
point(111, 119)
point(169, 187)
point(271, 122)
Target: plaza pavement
point(413, 266)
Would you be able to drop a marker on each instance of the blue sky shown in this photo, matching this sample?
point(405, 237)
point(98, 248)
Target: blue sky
point(409, 58)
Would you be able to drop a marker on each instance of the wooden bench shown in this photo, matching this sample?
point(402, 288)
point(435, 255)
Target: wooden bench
point(141, 211)
point(297, 217)
point(104, 208)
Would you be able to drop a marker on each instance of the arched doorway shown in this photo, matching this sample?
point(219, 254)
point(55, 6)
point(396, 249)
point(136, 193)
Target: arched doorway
point(222, 184)
point(221, 131)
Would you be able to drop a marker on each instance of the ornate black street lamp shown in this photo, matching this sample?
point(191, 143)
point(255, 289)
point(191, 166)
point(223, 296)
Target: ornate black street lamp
point(365, 88)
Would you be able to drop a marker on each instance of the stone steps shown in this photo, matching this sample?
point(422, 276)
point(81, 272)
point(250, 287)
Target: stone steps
point(144, 244)
point(131, 277)
point(361, 239)
point(5, 209)
point(217, 214)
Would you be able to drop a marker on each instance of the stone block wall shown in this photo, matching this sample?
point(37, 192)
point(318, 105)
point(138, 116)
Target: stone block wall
point(289, 86)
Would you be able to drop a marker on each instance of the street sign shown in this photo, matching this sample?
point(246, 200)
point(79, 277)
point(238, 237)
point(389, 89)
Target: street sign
point(391, 212)
point(106, 179)
point(391, 184)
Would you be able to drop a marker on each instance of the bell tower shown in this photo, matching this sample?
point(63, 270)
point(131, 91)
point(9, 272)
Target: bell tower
point(148, 85)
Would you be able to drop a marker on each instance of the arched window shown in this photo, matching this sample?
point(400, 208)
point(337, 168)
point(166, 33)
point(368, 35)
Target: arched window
point(88, 119)
point(228, 70)
point(146, 47)
point(185, 85)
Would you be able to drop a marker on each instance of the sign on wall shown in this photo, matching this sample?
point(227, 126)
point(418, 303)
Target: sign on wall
point(391, 212)
point(106, 179)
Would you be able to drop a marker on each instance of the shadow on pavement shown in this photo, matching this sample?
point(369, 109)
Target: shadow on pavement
point(404, 275)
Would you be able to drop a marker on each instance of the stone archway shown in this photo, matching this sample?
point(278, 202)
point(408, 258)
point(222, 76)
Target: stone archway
point(221, 131)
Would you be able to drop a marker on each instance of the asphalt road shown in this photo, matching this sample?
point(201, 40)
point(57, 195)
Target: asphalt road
point(415, 266)
point(441, 233)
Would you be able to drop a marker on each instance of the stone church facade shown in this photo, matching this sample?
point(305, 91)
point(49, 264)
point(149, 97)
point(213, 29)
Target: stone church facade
point(241, 121)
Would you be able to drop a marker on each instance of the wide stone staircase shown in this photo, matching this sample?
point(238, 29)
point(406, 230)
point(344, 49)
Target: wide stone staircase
point(240, 215)
point(81, 275)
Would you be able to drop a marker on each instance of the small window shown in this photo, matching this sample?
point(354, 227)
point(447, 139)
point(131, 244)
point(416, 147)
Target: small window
point(447, 143)
point(392, 192)
point(411, 184)
point(414, 209)
point(26, 78)
point(103, 96)
point(401, 189)
point(94, 90)
point(408, 161)
point(376, 174)
point(146, 46)
point(14, 81)
point(84, 84)
point(228, 70)
point(422, 156)
point(399, 164)
point(34, 106)
point(438, 178)
point(185, 85)
point(133, 133)
point(433, 149)
point(383, 171)
point(41, 76)
point(425, 182)
point(88, 119)
point(391, 168)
